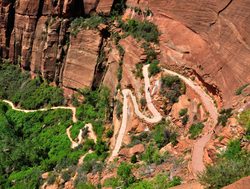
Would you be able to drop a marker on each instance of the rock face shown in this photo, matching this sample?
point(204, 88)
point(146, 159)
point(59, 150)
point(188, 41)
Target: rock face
point(210, 37)
point(35, 35)
point(81, 59)
point(243, 183)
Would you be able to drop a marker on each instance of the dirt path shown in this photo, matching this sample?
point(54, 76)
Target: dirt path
point(207, 101)
point(156, 115)
point(74, 119)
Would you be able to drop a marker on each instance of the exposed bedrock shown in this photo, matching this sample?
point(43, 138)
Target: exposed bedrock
point(210, 37)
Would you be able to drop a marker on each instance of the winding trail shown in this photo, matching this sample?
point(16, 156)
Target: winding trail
point(74, 144)
point(207, 101)
point(198, 149)
point(127, 92)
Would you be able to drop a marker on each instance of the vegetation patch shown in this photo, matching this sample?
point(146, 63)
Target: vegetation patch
point(244, 119)
point(162, 135)
point(172, 88)
point(84, 23)
point(195, 130)
point(241, 89)
point(154, 68)
point(95, 109)
point(16, 86)
point(231, 166)
point(224, 115)
point(43, 134)
point(160, 181)
point(141, 30)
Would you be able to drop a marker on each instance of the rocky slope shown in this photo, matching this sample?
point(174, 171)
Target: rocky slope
point(207, 42)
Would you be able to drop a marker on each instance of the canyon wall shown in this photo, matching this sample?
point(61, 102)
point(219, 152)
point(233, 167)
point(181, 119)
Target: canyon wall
point(209, 37)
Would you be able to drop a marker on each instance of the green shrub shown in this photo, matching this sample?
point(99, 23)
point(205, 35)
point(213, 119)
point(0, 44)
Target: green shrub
point(143, 137)
point(149, 51)
point(184, 119)
point(79, 23)
point(195, 130)
point(124, 172)
point(109, 133)
point(152, 155)
point(161, 135)
point(172, 88)
point(233, 150)
point(244, 119)
point(154, 68)
point(51, 179)
point(230, 167)
point(66, 175)
point(138, 71)
point(133, 159)
point(224, 115)
point(112, 182)
point(118, 7)
point(183, 112)
point(161, 181)
point(29, 94)
point(141, 30)
point(240, 90)
point(119, 73)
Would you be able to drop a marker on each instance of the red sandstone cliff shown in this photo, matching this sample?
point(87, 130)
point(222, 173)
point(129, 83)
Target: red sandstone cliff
point(211, 37)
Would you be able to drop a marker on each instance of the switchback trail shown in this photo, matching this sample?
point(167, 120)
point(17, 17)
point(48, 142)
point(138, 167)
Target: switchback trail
point(127, 92)
point(207, 101)
point(74, 119)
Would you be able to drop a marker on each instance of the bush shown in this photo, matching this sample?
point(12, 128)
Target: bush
point(149, 51)
point(78, 23)
point(29, 94)
point(195, 130)
point(138, 71)
point(152, 155)
point(109, 133)
point(160, 181)
point(172, 88)
point(112, 182)
point(244, 119)
point(124, 172)
point(154, 68)
point(183, 112)
point(133, 159)
point(51, 179)
point(224, 115)
point(141, 30)
point(184, 119)
point(230, 167)
point(240, 90)
point(66, 175)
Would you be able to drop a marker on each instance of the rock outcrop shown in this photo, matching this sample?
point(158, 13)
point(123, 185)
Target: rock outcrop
point(211, 37)
point(243, 183)
point(35, 35)
point(81, 59)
